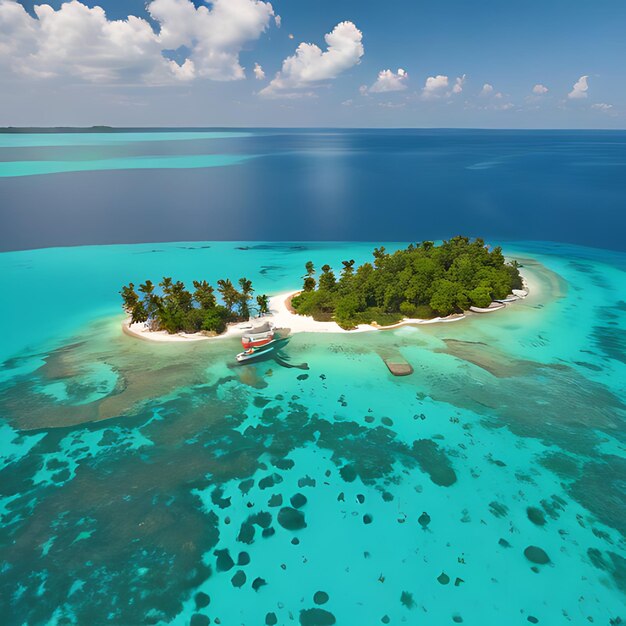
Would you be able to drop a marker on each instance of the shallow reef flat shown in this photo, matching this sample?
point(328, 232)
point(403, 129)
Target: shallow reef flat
point(162, 484)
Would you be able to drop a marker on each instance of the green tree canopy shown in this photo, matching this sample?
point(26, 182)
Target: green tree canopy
point(420, 280)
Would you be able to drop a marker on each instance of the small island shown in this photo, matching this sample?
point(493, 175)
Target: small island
point(176, 310)
point(422, 281)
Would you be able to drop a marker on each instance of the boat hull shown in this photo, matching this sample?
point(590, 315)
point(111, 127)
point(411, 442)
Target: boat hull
point(243, 357)
point(256, 342)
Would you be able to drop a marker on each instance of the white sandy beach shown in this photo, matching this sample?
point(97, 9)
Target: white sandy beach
point(282, 316)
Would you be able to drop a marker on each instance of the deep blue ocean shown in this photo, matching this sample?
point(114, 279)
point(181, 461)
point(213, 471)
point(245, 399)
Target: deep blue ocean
point(163, 484)
point(286, 185)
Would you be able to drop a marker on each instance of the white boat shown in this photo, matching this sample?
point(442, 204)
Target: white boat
point(494, 306)
point(511, 298)
point(253, 353)
point(258, 336)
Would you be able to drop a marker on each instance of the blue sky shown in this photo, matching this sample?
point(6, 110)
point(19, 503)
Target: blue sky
point(452, 63)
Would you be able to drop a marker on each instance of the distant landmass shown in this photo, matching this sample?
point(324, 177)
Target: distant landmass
point(58, 129)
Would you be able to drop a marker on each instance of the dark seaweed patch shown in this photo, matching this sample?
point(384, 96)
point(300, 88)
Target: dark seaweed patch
point(224, 560)
point(424, 520)
point(536, 555)
point(348, 473)
point(298, 500)
point(217, 497)
point(275, 500)
point(270, 481)
point(611, 341)
point(406, 599)
point(316, 617)
point(434, 462)
point(291, 519)
point(199, 620)
point(320, 597)
point(202, 600)
point(283, 464)
point(239, 579)
point(498, 509)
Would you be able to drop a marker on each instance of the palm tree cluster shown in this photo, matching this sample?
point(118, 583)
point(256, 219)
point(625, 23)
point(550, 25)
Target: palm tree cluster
point(174, 309)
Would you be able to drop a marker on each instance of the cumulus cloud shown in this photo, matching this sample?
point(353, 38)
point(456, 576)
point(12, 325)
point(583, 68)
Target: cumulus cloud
point(310, 66)
point(81, 42)
point(579, 89)
point(539, 89)
point(389, 81)
point(259, 74)
point(602, 106)
point(458, 84)
point(278, 20)
point(435, 86)
point(486, 90)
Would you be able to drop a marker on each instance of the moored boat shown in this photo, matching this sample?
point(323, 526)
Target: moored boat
point(511, 298)
point(494, 306)
point(258, 336)
point(253, 353)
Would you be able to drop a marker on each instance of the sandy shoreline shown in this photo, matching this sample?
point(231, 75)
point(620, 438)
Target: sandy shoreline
point(282, 315)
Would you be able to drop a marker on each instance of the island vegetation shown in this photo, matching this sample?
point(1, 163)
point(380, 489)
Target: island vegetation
point(169, 306)
point(421, 281)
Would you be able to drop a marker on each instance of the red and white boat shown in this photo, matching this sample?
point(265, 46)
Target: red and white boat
point(258, 336)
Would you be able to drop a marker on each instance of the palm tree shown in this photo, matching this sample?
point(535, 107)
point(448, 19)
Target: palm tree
point(263, 303)
point(348, 268)
point(244, 296)
point(327, 279)
point(151, 301)
point(204, 294)
point(166, 285)
point(129, 297)
point(309, 281)
point(228, 292)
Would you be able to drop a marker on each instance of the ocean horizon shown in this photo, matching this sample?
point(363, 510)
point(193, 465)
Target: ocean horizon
point(130, 186)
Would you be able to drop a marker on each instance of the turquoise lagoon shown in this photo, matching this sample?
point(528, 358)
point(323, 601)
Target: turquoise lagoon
point(151, 483)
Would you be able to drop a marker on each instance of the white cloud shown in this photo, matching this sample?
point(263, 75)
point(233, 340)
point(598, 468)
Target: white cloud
point(278, 20)
point(81, 42)
point(458, 84)
point(309, 66)
point(602, 106)
point(259, 74)
point(579, 90)
point(392, 105)
point(486, 90)
point(389, 81)
point(539, 89)
point(216, 34)
point(435, 86)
